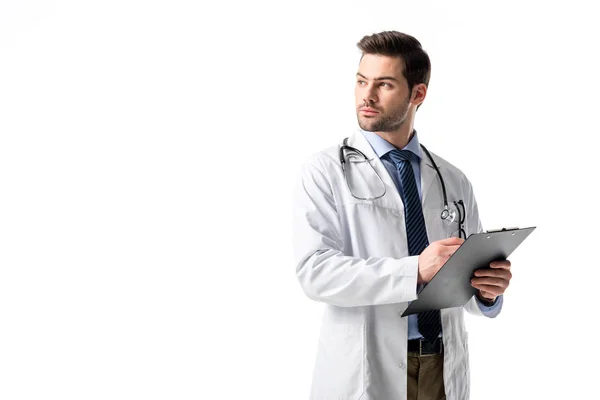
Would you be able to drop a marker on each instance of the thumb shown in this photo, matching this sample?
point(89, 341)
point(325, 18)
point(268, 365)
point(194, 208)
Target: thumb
point(452, 241)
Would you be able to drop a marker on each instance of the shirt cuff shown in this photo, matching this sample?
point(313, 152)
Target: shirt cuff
point(494, 309)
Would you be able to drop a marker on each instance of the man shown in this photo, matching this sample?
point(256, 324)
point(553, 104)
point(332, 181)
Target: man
point(368, 236)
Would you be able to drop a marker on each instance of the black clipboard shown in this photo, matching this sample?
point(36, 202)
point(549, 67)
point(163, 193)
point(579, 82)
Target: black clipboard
point(451, 285)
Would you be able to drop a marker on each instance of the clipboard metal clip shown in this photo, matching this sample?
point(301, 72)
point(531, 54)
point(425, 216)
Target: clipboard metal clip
point(513, 228)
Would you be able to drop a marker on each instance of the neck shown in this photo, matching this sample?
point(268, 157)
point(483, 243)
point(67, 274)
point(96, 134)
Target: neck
point(400, 137)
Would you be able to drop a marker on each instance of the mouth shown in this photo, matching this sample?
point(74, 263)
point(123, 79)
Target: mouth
point(368, 111)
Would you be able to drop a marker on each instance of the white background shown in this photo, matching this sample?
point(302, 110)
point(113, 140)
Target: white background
point(147, 157)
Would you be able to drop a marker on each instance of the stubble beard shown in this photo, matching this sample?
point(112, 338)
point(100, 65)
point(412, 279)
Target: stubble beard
point(384, 123)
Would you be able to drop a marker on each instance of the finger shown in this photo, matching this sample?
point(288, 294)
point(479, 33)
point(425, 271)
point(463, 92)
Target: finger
point(486, 295)
point(495, 290)
point(491, 281)
point(452, 241)
point(495, 273)
point(500, 264)
point(451, 250)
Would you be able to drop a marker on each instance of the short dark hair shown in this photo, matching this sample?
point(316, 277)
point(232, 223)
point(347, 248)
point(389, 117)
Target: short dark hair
point(417, 66)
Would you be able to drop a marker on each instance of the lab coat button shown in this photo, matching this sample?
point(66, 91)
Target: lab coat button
point(401, 365)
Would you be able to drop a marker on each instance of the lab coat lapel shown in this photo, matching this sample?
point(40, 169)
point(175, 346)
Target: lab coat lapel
point(428, 172)
point(428, 176)
point(432, 199)
point(429, 200)
point(358, 141)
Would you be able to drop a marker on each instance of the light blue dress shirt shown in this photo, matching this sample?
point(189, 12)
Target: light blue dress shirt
point(381, 148)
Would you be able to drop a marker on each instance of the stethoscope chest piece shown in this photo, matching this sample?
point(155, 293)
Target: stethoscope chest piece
point(448, 215)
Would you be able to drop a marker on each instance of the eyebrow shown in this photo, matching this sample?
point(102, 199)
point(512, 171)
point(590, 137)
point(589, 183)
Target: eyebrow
point(381, 78)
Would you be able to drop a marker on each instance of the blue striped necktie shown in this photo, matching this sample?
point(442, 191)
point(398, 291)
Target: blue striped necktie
point(416, 232)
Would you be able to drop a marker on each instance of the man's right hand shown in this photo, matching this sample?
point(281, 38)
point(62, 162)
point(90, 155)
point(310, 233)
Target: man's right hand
point(435, 255)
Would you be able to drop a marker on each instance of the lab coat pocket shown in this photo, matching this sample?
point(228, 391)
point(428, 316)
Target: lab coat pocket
point(339, 373)
point(452, 228)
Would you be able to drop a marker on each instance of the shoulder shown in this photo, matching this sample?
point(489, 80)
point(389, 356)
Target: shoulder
point(322, 160)
point(319, 172)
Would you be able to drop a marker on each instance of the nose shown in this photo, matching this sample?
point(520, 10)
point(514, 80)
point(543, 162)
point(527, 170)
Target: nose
point(368, 95)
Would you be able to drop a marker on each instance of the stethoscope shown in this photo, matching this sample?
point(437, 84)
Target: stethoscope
point(447, 214)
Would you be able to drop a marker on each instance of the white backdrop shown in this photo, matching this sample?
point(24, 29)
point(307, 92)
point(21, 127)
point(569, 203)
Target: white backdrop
point(147, 157)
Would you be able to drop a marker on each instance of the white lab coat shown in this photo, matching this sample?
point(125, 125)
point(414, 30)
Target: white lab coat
point(352, 255)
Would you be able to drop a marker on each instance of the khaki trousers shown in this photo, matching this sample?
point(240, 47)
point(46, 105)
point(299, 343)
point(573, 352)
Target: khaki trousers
point(425, 377)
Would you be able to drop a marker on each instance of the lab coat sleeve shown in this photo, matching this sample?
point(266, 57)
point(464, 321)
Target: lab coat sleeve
point(473, 225)
point(325, 273)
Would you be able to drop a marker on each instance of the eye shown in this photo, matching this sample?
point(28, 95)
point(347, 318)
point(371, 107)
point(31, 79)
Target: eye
point(360, 82)
point(385, 83)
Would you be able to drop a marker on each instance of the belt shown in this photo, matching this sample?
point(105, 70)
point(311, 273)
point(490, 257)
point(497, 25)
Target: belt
point(422, 346)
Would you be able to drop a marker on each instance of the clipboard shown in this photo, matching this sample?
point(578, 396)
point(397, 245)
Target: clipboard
point(451, 285)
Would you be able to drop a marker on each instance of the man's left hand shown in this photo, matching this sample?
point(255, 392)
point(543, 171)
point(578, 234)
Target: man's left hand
point(492, 282)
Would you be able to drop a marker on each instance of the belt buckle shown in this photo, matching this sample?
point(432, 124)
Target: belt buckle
point(432, 348)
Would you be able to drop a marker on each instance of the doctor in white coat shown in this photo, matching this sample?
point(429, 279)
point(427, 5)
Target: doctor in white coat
point(350, 245)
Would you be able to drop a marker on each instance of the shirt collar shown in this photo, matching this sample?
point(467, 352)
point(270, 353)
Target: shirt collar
point(381, 146)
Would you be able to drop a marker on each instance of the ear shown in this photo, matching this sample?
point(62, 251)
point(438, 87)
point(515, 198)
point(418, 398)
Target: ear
point(419, 92)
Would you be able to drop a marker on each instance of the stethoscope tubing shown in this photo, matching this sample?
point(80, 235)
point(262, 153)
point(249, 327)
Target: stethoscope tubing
point(445, 212)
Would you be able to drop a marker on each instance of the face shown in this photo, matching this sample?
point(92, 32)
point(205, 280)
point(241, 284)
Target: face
point(380, 83)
